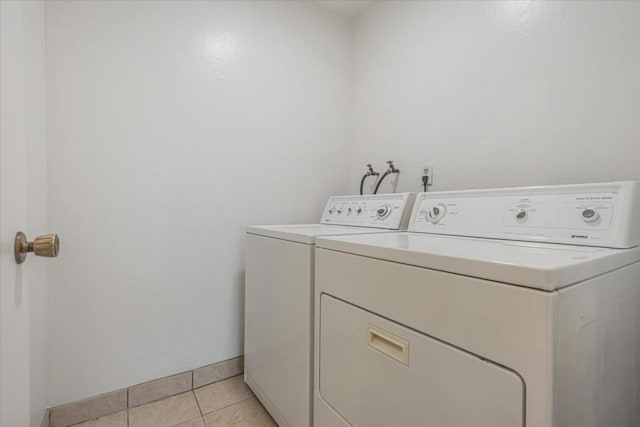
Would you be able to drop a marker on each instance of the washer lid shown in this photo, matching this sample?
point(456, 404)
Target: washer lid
point(536, 265)
point(307, 233)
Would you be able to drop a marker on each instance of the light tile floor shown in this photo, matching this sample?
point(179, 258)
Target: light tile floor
point(227, 403)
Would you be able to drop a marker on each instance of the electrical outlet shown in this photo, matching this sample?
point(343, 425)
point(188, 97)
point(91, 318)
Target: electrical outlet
point(427, 170)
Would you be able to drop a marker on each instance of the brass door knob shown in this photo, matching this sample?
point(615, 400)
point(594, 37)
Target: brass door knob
point(47, 246)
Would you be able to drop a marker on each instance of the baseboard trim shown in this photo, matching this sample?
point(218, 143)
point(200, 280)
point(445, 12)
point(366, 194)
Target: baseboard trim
point(139, 394)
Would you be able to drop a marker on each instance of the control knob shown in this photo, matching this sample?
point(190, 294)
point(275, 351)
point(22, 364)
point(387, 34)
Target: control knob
point(383, 211)
point(436, 213)
point(590, 215)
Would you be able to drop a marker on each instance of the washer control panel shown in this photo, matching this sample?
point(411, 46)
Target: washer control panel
point(605, 214)
point(389, 211)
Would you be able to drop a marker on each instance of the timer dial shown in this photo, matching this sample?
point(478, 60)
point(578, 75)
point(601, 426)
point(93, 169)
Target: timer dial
point(590, 215)
point(436, 213)
point(383, 211)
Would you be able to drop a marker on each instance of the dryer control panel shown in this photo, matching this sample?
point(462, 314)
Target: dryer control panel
point(389, 211)
point(606, 214)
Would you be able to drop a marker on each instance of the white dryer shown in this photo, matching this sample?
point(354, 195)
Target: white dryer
point(499, 308)
point(279, 298)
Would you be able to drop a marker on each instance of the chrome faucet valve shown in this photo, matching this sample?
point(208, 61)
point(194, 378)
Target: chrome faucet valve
point(370, 171)
point(392, 168)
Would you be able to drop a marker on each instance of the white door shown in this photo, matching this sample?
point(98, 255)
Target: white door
point(23, 292)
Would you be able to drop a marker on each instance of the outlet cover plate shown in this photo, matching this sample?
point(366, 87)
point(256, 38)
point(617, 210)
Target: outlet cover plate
point(428, 171)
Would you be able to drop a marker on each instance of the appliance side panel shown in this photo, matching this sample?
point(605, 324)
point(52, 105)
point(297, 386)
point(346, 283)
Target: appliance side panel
point(278, 331)
point(597, 356)
point(632, 229)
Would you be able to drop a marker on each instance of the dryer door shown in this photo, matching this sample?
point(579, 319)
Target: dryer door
point(375, 372)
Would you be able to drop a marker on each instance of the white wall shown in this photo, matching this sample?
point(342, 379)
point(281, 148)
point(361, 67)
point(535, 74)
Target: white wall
point(171, 126)
point(23, 197)
point(498, 93)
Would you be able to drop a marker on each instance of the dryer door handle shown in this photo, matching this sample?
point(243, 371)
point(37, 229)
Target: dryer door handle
point(389, 344)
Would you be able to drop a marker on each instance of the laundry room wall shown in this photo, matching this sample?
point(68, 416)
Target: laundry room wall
point(172, 125)
point(498, 94)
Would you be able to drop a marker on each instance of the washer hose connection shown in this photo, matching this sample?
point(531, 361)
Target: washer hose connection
point(370, 172)
point(389, 171)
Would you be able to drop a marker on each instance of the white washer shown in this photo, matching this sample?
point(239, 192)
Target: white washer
point(279, 298)
point(533, 321)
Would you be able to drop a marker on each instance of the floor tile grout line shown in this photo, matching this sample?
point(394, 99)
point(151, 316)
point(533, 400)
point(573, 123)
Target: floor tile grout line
point(128, 406)
point(186, 421)
point(218, 381)
point(197, 402)
point(231, 404)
